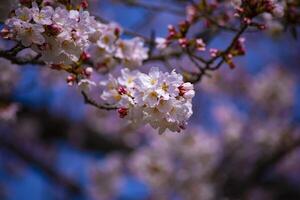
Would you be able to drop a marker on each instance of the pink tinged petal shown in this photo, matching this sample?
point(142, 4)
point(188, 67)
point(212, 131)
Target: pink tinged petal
point(38, 39)
point(38, 28)
point(154, 72)
point(164, 106)
point(189, 95)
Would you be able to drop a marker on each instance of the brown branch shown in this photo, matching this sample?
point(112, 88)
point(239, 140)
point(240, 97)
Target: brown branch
point(92, 102)
point(209, 63)
point(163, 57)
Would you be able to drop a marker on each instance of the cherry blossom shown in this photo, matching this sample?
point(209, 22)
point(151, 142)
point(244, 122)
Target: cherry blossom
point(62, 35)
point(161, 99)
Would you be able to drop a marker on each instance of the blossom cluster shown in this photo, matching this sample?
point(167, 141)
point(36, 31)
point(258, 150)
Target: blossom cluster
point(274, 89)
point(9, 74)
point(160, 99)
point(181, 165)
point(105, 178)
point(63, 37)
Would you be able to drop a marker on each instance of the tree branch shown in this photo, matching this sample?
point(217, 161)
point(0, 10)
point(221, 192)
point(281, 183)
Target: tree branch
point(29, 157)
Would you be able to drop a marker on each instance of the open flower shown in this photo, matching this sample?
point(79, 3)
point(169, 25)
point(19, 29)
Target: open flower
point(43, 16)
point(159, 99)
point(31, 34)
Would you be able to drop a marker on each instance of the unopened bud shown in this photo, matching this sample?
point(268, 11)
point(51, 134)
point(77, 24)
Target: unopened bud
point(213, 52)
point(53, 29)
point(200, 45)
point(123, 112)
point(183, 42)
point(88, 71)
point(84, 4)
point(70, 80)
point(184, 26)
point(85, 56)
point(122, 90)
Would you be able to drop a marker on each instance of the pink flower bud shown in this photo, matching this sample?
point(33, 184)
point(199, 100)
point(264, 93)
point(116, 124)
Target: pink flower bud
point(70, 80)
point(172, 32)
point(85, 56)
point(213, 52)
point(123, 112)
point(122, 90)
point(247, 20)
point(186, 90)
point(53, 29)
point(117, 31)
point(183, 26)
point(5, 33)
point(191, 12)
point(183, 42)
point(88, 71)
point(200, 45)
point(84, 4)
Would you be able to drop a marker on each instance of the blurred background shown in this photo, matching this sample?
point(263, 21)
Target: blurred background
point(242, 141)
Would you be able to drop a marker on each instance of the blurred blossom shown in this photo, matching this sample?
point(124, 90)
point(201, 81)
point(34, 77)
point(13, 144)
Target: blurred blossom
point(27, 54)
point(270, 134)
point(273, 89)
point(105, 178)
point(273, 27)
point(224, 82)
point(8, 76)
point(178, 164)
point(230, 120)
point(9, 112)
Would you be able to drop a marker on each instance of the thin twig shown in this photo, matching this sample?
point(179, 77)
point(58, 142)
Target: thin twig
point(92, 102)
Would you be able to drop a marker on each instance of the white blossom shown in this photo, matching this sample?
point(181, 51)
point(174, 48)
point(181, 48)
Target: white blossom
point(278, 10)
point(24, 14)
point(159, 99)
point(161, 43)
point(31, 34)
point(42, 16)
point(186, 159)
point(132, 52)
point(105, 178)
point(61, 36)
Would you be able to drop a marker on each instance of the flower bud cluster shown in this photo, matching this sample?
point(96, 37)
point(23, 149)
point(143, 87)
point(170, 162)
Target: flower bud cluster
point(160, 99)
point(252, 8)
point(180, 37)
point(238, 49)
